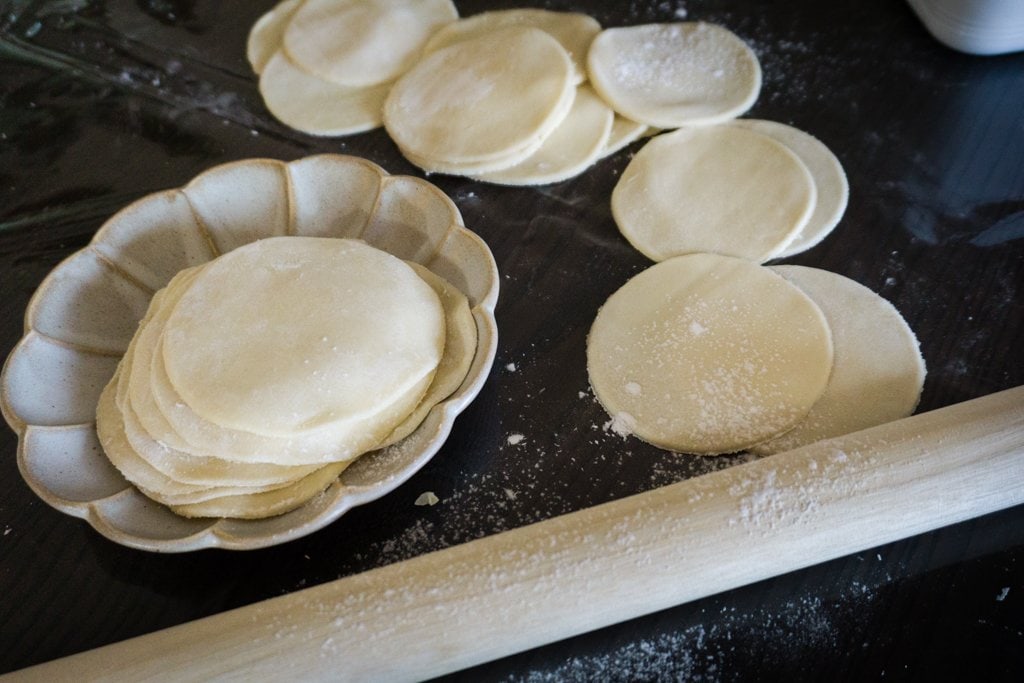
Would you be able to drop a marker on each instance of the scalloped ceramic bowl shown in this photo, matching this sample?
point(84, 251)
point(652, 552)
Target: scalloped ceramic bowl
point(80, 320)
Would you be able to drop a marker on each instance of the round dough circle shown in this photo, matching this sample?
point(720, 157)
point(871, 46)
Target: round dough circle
point(569, 150)
point(878, 370)
point(573, 30)
point(267, 33)
point(359, 43)
point(624, 132)
point(313, 105)
point(708, 354)
point(722, 189)
point(671, 75)
point(483, 99)
point(288, 334)
point(833, 190)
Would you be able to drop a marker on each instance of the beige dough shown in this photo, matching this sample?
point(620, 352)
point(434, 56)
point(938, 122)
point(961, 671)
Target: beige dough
point(313, 105)
point(360, 43)
point(460, 341)
point(573, 30)
point(267, 503)
point(110, 427)
point(708, 354)
point(155, 442)
point(720, 189)
point(572, 148)
point(833, 190)
point(624, 131)
point(241, 353)
point(481, 100)
point(671, 75)
point(267, 34)
point(878, 371)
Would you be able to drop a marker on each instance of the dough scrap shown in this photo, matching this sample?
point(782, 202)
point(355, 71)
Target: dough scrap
point(878, 371)
point(672, 75)
point(481, 100)
point(833, 190)
point(368, 330)
point(570, 149)
point(718, 189)
point(708, 354)
point(573, 30)
point(360, 43)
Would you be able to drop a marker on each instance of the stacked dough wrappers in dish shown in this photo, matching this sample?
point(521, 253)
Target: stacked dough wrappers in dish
point(258, 351)
point(255, 379)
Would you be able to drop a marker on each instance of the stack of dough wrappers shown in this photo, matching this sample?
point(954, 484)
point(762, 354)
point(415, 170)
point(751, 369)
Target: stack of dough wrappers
point(519, 97)
point(255, 379)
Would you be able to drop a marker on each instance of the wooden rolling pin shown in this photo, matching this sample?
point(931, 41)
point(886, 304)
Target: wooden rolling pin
point(502, 594)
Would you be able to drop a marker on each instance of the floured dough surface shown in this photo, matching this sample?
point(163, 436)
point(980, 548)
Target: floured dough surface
point(481, 100)
point(573, 30)
point(240, 351)
point(572, 147)
point(359, 43)
point(678, 74)
point(878, 371)
point(720, 189)
point(708, 354)
point(833, 190)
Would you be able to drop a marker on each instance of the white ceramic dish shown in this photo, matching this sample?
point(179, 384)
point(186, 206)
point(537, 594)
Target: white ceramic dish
point(81, 318)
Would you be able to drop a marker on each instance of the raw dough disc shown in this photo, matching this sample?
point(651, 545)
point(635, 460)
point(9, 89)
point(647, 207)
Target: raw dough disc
point(624, 131)
point(481, 100)
point(708, 354)
point(165, 430)
point(460, 341)
point(833, 190)
point(359, 43)
point(266, 503)
point(720, 189)
point(671, 75)
point(569, 150)
point(189, 441)
point(288, 334)
point(878, 371)
point(316, 106)
point(160, 453)
point(110, 428)
point(476, 167)
point(267, 33)
point(573, 30)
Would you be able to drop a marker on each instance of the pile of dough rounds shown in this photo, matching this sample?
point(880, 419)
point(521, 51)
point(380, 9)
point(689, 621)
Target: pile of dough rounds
point(255, 379)
point(515, 97)
point(712, 354)
point(325, 66)
point(750, 188)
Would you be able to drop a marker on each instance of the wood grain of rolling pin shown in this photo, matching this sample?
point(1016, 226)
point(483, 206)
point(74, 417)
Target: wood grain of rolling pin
point(519, 589)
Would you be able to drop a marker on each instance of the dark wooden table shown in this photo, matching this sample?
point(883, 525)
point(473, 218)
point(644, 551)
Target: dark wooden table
point(102, 102)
